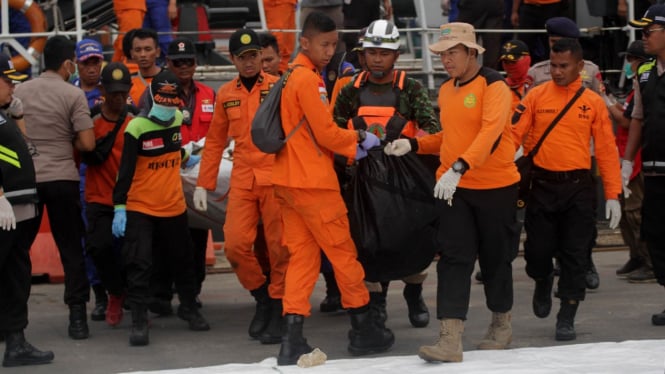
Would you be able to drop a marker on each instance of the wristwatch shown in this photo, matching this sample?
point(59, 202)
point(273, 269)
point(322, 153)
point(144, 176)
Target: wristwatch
point(460, 166)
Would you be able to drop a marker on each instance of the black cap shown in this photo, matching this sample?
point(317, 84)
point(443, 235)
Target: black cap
point(513, 50)
point(655, 14)
point(181, 48)
point(8, 71)
point(563, 27)
point(243, 40)
point(164, 89)
point(636, 49)
point(116, 78)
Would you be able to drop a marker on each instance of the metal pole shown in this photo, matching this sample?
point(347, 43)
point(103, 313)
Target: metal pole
point(424, 41)
point(79, 24)
point(262, 15)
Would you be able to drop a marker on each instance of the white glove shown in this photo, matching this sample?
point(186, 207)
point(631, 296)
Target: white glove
point(626, 171)
point(446, 186)
point(609, 99)
point(7, 218)
point(398, 147)
point(613, 212)
point(200, 199)
point(15, 108)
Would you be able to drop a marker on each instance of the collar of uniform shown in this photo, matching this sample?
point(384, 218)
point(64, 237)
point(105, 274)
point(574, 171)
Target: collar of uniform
point(258, 81)
point(574, 85)
point(303, 60)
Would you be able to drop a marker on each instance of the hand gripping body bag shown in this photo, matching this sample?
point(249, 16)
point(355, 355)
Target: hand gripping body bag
point(267, 132)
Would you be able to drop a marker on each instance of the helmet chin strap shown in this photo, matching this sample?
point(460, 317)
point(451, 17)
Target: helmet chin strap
point(381, 74)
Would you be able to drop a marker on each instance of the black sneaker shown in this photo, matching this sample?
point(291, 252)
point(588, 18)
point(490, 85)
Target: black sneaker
point(642, 275)
point(629, 267)
point(658, 319)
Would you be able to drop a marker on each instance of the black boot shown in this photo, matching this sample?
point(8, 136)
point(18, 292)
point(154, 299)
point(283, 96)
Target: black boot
point(542, 297)
point(333, 299)
point(273, 332)
point(188, 311)
point(418, 313)
point(101, 302)
point(78, 322)
point(371, 335)
point(377, 301)
point(139, 335)
point(19, 352)
point(565, 320)
point(262, 313)
point(592, 279)
point(293, 343)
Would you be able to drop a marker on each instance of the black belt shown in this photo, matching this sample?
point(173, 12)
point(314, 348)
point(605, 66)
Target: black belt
point(561, 176)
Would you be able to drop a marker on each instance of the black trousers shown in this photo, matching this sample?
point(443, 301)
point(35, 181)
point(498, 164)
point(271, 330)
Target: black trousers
point(158, 240)
point(534, 16)
point(480, 224)
point(63, 204)
point(358, 14)
point(16, 275)
point(161, 284)
point(653, 219)
point(104, 248)
point(560, 221)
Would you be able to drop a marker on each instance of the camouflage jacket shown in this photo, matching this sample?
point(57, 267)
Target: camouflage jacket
point(414, 104)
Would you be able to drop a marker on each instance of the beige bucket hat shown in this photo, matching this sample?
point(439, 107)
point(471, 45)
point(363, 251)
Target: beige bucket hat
point(454, 33)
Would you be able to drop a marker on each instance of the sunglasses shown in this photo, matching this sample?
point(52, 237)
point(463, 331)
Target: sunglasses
point(183, 62)
point(648, 32)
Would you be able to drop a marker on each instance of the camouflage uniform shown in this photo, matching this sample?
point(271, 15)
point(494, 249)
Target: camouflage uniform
point(414, 104)
point(591, 77)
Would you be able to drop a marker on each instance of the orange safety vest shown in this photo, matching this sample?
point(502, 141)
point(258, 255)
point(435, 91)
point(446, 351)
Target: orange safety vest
point(379, 110)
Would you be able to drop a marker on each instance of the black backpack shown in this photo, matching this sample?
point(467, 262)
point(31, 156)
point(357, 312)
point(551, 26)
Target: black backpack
point(267, 132)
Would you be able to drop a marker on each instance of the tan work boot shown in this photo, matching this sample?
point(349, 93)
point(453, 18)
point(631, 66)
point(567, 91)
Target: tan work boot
point(499, 334)
point(449, 346)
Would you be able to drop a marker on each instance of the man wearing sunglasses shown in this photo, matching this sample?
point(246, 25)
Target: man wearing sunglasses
point(646, 130)
point(196, 104)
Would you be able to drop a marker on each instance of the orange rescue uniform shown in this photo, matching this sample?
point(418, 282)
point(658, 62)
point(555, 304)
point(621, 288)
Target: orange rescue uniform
point(281, 15)
point(251, 194)
point(567, 146)
point(129, 14)
point(476, 127)
point(314, 214)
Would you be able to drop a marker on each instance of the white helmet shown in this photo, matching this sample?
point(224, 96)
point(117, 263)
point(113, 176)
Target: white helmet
point(381, 34)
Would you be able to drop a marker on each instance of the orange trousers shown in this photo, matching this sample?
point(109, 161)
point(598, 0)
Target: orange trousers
point(282, 16)
point(316, 220)
point(245, 208)
point(128, 19)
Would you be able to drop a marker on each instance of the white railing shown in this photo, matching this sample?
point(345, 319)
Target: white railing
point(425, 64)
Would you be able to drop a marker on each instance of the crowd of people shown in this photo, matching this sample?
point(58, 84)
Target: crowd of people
point(104, 165)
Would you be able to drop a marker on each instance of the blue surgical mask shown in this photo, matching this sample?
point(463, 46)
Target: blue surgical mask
point(162, 113)
point(628, 70)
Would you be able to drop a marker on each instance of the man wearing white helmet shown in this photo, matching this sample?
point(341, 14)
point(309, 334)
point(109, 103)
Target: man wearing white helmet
point(362, 104)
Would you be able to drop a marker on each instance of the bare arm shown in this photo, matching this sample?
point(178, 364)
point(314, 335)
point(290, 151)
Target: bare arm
point(616, 112)
point(85, 140)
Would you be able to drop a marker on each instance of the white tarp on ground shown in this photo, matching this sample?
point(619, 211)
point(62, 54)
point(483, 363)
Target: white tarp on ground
point(633, 357)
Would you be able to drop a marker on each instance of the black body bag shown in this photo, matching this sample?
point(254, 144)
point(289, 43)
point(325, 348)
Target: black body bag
point(393, 214)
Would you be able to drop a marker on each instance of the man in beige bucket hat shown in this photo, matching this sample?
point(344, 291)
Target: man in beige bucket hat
point(477, 168)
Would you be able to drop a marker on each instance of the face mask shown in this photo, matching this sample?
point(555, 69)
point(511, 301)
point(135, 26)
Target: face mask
point(162, 113)
point(628, 70)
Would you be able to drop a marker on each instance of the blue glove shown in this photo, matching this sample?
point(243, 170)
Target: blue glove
point(192, 160)
point(360, 153)
point(119, 222)
point(370, 141)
